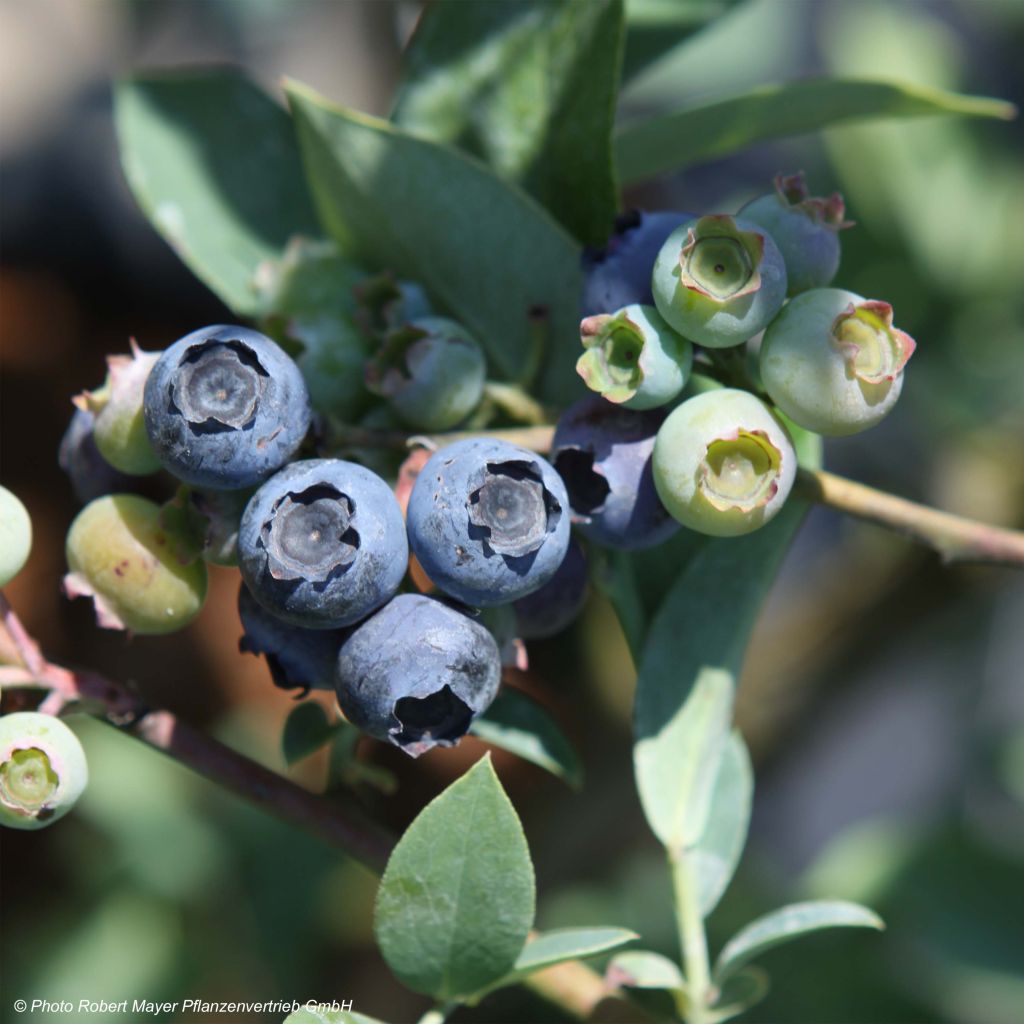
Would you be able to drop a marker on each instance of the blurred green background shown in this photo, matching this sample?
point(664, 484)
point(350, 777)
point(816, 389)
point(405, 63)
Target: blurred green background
point(883, 697)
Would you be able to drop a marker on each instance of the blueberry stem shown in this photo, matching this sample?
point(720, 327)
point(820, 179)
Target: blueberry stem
point(516, 402)
point(694, 1006)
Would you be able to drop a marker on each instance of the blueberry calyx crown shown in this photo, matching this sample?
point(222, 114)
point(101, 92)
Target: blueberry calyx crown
point(740, 471)
point(218, 387)
point(612, 361)
point(510, 510)
point(721, 261)
point(28, 781)
point(793, 193)
point(874, 350)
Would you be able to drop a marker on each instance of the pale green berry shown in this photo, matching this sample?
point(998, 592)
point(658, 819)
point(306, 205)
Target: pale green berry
point(833, 362)
point(15, 536)
point(633, 358)
point(718, 280)
point(42, 770)
point(142, 575)
point(119, 426)
point(723, 463)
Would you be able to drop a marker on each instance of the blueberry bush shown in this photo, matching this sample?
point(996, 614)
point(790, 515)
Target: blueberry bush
point(465, 386)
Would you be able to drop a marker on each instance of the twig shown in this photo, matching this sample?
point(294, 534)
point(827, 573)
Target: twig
point(955, 538)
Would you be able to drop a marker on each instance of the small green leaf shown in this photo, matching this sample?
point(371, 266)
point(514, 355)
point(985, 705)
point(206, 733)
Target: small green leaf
point(213, 163)
point(563, 944)
point(530, 86)
point(717, 852)
point(686, 137)
point(788, 923)
point(686, 683)
point(642, 969)
point(306, 730)
point(739, 993)
point(457, 898)
point(485, 251)
point(517, 723)
point(308, 1016)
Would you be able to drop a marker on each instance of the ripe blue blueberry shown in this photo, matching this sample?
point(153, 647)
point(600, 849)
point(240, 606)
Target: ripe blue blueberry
point(718, 280)
point(225, 408)
point(603, 454)
point(620, 274)
point(90, 474)
point(488, 521)
point(297, 658)
point(322, 543)
point(417, 673)
point(550, 609)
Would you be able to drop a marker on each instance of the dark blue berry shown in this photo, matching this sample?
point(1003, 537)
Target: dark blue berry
point(620, 274)
point(322, 543)
point(417, 673)
point(90, 474)
point(488, 521)
point(225, 408)
point(551, 608)
point(603, 453)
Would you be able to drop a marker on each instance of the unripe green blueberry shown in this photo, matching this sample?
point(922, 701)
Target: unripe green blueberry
point(833, 362)
point(804, 227)
point(431, 371)
point(718, 280)
point(42, 770)
point(723, 464)
point(119, 426)
point(633, 358)
point(15, 536)
point(141, 574)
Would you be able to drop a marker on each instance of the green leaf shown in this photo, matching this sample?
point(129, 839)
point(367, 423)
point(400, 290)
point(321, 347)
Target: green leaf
point(697, 134)
point(517, 723)
point(457, 898)
point(485, 251)
point(642, 969)
point(530, 86)
point(788, 923)
point(688, 672)
point(563, 944)
point(308, 1016)
point(214, 165)
point(306, 730)
point(739, 993)
point(717, 852)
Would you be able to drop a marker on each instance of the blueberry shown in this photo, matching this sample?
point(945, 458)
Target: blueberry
point(225, 407)
point(804, 227)
point(620, 274)
point(90, 474)
point(603, 453)
point(417, 673)
point(633, 358)
point(550, 609)
point(718, 280)
point(431, 371)
point(488, 521)
point(134, 566)
point(322, 543)
point(15, 536)
point(723, 463)
point(297, 657)
point(43, 770)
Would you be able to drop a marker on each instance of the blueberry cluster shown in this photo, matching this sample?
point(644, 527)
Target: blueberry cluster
point(667, 305)
point(407, 601)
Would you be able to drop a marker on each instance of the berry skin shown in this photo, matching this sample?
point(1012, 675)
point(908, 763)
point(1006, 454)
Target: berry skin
point(136, 569)
point(723, 464)
point(718, 280)
point(550, 609)
point(297, 658)
point(43, 770)
point(119, 428)
point(322, 544)
point(603, 454)
point(620, 274)
point(804, 227)
point(225, 408)
point(833, 362)
point(431, 371)
point(417, 673)
point(633, 358)
point(15, 536)
point(90, 474)
point(488, 521)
